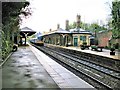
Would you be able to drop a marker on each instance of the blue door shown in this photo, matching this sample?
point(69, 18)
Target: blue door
point(75, 41)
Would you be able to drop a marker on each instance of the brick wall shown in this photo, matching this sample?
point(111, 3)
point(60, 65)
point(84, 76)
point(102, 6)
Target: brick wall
point(103, 38)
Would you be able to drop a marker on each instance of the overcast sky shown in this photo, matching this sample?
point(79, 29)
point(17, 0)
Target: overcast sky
point(48, 13)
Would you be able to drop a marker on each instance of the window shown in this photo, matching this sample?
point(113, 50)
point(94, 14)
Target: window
point(83, 38)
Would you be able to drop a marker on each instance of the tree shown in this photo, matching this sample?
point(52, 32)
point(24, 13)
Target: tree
point(116, 19)
point(91, 27)
point(11, 12)
point(72, 25)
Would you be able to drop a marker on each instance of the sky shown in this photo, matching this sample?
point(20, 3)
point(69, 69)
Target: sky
point(48, 13)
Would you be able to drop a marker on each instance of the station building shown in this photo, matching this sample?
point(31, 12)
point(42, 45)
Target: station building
point(58, 37)
point(80, 36)
point(68, 37)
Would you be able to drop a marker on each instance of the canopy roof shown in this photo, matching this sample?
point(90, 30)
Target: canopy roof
point(71, 31)
point(79, 31)
point(58, 31)
point(27, 31)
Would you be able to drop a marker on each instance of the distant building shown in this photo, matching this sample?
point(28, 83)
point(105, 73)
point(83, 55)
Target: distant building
point(57, 37)
point(74, 37)
point(79, 36)
point(104, 37)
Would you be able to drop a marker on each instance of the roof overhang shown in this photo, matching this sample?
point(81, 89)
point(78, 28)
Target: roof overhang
point(27, 31)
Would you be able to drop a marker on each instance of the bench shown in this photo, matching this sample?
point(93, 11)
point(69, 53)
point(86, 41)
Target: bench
point(84, 47)
point(96, 48)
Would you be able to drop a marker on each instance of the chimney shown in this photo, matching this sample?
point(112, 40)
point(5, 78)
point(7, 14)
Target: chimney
point(67, 25)
point(58, 26)
point(50, 30)
point(78, 21)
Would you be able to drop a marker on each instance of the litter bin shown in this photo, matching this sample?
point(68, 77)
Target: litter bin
point(15, 47)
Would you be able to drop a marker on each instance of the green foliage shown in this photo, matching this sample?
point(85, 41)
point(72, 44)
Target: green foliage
point(6, 46)
point(12, 9)
point(116, 19)
point(91, 27)
point(106, 47)
point(72, 25)
point(85, 26)
point(10, 23)
point(84, 43)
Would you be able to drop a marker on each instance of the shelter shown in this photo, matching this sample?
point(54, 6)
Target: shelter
point(24, 32)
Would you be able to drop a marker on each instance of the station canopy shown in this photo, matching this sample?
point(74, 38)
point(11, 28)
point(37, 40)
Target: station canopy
point(80, 31)
point(27, 31)
point(58, 31)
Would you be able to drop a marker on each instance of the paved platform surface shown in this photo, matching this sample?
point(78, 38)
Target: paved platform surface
point(30, 68)
point(23, 70)
point(105, 52)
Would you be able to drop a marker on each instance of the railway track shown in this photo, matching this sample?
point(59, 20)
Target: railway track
point(98, 76)
point(110, 72)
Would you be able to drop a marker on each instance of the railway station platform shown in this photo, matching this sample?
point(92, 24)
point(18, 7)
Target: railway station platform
point(105, 52)
point(30, 68)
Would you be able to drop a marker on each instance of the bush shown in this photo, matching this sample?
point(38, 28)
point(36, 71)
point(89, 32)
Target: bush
point(112, 49)
point(106, 47)
point(117, 46)
point(119, 49)
point(84, 43)
point(6, 46)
